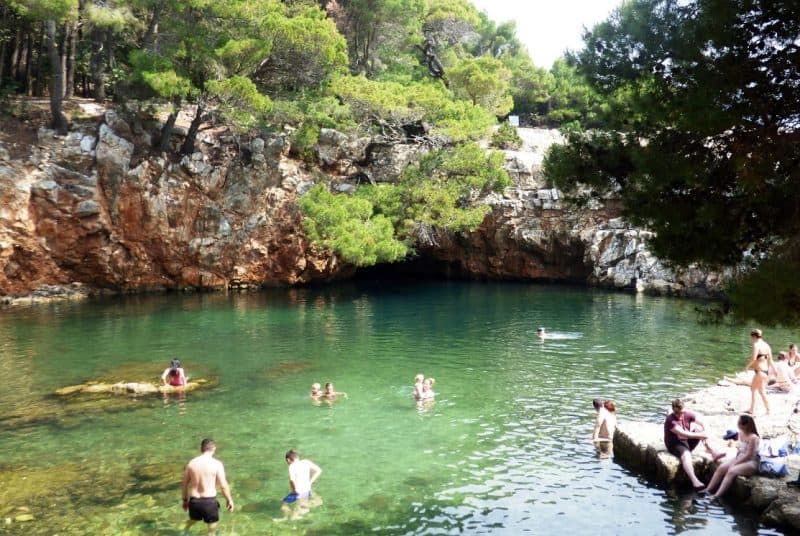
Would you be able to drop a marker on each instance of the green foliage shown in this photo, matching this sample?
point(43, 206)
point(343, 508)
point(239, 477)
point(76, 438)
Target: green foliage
point(116, 18)
point(373, 102)
point(303, 141)
point(484, 81)
point(240, 102)
point(377, 29)
point(40, 10)
point(306, 52)
point(700, 138)
point(450, 22)
point(242, 56)
point(348, 225)
point(506, 137)
point(158, 73)
point(442, 192)
point(531, 86)
point(769, 293)
point(571, 97)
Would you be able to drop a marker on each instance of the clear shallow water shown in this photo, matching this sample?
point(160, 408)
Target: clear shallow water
point(503, 450)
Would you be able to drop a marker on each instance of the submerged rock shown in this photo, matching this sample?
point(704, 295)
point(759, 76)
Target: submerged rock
point(132, 388)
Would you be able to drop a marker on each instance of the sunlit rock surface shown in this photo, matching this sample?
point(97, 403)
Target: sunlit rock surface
point(100, 209)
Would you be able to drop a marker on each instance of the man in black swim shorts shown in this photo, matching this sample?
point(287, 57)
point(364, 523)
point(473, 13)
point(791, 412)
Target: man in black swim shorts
point(204, 509)
point(200, 480)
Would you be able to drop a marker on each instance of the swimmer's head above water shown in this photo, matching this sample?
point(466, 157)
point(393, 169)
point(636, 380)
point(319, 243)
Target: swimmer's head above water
point(540, 332)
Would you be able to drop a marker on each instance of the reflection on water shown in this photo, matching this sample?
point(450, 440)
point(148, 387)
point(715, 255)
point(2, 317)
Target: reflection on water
point(504, 449)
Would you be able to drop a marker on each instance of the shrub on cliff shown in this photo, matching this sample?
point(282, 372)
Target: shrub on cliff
point(382, 223)
point(506, 137)
point(349, 226)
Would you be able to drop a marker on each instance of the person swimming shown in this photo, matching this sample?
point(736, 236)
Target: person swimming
point(331, 393)
point(418, 381)
point(316, 391)
point(541, 333)
point(174, 375)
point(427, 389)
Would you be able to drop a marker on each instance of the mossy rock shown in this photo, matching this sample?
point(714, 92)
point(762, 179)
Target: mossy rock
point(136, 379)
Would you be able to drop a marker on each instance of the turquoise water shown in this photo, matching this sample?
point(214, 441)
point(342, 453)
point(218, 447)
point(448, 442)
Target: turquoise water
point(503, 450)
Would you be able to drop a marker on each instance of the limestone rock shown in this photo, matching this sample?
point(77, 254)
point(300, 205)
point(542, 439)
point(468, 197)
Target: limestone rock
point(329, 146)
point(387, 162)
point(87, 208)
point(88, 143)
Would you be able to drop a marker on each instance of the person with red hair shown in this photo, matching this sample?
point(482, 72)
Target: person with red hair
point(606, 420)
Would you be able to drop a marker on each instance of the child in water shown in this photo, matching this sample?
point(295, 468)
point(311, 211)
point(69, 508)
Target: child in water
point(316, 391)
point(427, 389)
point(331, 393)
point(418, 379)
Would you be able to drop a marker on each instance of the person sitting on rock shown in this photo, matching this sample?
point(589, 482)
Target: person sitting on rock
point(682, 433)
point(794, 359)
point(174, 375)
point(784, 375)
point(744, 464)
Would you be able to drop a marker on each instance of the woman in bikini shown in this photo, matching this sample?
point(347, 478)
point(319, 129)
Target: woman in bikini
point(761, 363)
point(745, 463)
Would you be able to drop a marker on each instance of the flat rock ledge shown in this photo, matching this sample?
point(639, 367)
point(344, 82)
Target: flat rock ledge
point(639, 447)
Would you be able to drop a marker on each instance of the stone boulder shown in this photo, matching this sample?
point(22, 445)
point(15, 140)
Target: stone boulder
point(113, 157)
point(385, 162)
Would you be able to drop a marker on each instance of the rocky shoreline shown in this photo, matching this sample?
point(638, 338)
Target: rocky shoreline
point(639, 446)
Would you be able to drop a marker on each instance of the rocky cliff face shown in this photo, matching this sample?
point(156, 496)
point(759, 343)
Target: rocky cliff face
point(98, 210)
point(93, 208)
point(532, 233)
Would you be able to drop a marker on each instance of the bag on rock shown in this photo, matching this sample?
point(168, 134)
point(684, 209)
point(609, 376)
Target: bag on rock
point(773, 467)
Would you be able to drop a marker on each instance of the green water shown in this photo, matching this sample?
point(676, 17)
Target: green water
point(503, 450)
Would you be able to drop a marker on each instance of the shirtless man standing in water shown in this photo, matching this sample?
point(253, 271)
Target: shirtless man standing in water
point(200, 480)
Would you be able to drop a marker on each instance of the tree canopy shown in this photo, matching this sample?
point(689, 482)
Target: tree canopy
point(700, 137)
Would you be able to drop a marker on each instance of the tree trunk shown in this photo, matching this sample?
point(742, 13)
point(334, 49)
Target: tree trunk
point(191, 136)
point(16, 55)
point(69, 87)
point(3, 46)
point(57, 90)
point(63, 51)
point(2, 64)
point(96, 66)
point(166, 131)
point(29, 64)
point(40, 80)
point(151, 36)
